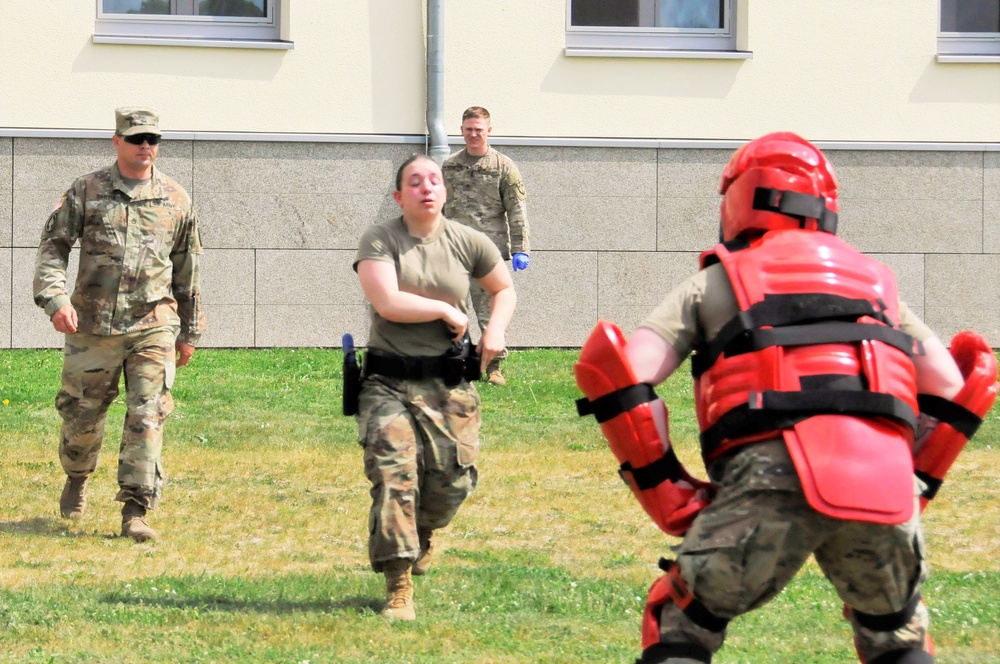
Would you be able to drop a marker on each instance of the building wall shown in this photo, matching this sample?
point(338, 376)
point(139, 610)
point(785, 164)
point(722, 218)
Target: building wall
point(613, 228)
point(831, 70)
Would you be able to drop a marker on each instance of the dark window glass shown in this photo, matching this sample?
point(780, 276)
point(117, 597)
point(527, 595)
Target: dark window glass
point(243, 8)
point(649, 13)
point(970, 15)
point(607, 13)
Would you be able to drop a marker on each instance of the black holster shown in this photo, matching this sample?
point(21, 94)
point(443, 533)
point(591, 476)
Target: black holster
point(352, 381)
point(468, 362)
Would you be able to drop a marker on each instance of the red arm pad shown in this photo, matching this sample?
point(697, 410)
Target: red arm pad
point(957, 419)
point(635, 422)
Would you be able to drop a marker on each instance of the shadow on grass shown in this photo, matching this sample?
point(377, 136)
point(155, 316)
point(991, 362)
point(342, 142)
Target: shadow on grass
point(39, 525)
point(356, 604)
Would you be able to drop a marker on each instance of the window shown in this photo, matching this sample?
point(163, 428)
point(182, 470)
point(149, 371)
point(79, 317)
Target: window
point(652, 28)
point(194, 22)
point(970, 30)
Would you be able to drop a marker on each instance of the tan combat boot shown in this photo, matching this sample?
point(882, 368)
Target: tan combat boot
point(426, 552)
point(398, 591)
point(493, 375)
point(73, 500)
point(134, 523)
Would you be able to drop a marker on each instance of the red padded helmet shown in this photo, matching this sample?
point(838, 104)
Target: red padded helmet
point(777, 181)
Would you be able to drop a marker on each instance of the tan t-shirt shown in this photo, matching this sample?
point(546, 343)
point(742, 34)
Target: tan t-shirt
point(696, 310)
point(437, 267)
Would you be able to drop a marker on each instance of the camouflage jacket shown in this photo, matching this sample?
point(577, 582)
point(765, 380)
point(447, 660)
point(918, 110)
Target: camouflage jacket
point(139, 255)
point(487, 193)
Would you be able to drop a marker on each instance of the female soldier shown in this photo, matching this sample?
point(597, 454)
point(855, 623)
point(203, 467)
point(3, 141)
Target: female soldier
point(418, 418)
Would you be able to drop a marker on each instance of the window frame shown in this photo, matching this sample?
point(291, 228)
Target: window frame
point(612, 41)
point(966, 46)
point(192, 30)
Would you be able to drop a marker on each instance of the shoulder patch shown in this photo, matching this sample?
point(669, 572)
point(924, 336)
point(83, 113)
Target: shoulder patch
point(518, 187)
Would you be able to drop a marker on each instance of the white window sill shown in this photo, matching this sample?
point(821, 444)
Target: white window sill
point(968, 57)
point(578, 52)
point(201, 43)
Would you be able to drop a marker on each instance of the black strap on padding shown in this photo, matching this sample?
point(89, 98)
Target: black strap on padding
point(615, 403)
point(664, 652)
point(836, 402)
point(932, 484)
point(695, 610)
point(782, 310)
point(667, 467)
point(831, 332)
point(905, 656)
point(773, 410)
point(888, 622)
point(796, 205)
point(957, 417)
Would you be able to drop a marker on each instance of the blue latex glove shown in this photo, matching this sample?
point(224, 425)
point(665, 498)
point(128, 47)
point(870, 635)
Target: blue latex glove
point(520, 261)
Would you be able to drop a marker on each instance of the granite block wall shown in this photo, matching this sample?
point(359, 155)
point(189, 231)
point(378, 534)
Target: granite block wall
point(612, 228)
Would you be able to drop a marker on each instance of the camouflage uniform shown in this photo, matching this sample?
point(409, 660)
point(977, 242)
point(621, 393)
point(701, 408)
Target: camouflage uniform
point(137, 291)
point(759, 530)
point(487, 193)
point(421, 442)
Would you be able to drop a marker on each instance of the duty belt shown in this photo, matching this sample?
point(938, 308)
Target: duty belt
point(410, 368)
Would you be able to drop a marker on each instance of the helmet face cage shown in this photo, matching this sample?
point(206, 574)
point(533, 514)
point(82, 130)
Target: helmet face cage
point(778, 181)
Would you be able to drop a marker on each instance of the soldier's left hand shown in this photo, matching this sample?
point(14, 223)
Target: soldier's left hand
point(184, 352)
point(520, 261)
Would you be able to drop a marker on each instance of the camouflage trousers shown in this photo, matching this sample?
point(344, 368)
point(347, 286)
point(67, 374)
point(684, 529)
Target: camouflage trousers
point(749, 543)
point(92, 366)
point(421, 442)
point(481, 302)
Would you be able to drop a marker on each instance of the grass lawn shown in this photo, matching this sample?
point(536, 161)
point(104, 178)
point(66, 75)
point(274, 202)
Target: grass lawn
point(262, 556)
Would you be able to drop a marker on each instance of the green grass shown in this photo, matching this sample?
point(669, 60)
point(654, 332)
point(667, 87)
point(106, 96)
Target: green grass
point(263, 552)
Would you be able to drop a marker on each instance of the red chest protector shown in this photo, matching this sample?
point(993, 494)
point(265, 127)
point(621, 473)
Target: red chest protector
point(815, 356)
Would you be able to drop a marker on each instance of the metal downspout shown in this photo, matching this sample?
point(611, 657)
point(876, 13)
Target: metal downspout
point(435, 81)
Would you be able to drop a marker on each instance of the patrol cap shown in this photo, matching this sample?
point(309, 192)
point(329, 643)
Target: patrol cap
point(136, 120)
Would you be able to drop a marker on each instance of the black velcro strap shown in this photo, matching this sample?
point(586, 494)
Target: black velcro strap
point(694, 609)
point(667, 467)
point(932, 484)
point(830, 333)
point(615, 403)
point(664, 652)
point(905, 656)
point(772, 410)
point(847, 402)
point(740, 334)
point(957, 417)
point(888, 622)
point(796, 205)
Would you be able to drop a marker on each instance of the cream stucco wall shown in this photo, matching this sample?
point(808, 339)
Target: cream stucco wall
point(356, 67)
point(851, 70)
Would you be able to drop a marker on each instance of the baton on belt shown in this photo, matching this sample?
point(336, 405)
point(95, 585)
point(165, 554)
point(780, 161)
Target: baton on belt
point(352, 376)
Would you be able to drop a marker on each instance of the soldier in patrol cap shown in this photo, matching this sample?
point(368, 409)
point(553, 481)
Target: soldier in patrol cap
point(136, 309)
point(486, 192)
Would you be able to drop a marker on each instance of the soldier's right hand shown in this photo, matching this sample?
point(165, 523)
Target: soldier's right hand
point(457, 322)
point(65, 320)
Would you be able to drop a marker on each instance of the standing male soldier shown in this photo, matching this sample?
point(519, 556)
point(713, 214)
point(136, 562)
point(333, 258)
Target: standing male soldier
point(485, 191)
point(136, 305)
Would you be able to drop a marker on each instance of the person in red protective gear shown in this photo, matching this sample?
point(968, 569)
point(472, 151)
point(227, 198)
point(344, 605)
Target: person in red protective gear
point(807, 368)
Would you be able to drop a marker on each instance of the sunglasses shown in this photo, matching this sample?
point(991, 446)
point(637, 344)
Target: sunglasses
point(139, 139)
